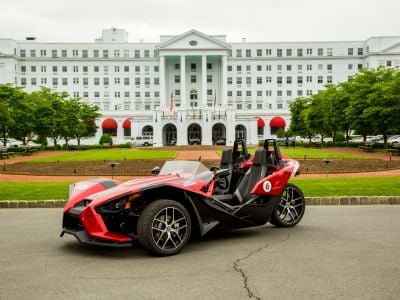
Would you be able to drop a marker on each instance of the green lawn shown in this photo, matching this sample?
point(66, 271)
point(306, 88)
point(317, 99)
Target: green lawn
point(331, 187)
point(300, 153)
point(109, 154)
point(324, 187)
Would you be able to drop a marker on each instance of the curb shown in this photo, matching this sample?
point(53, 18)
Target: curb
point(355, 200)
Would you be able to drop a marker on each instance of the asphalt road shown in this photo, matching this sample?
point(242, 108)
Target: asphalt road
point(336, 252)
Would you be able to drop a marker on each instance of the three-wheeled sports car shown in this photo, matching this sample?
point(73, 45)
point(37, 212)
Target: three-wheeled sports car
point(183, 198)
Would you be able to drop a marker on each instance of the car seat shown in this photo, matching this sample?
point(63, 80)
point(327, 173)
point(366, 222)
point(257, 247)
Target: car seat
point(257, 171)
point(226, 163)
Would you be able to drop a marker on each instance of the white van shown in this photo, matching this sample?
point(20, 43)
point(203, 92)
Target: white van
point(146, 140)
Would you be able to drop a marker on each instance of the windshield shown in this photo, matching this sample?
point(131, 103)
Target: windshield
point(183, 166)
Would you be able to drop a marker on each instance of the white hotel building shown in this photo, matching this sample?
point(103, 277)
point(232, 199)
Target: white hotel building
point(219, 90)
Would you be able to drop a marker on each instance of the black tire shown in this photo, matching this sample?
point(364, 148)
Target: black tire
point(164, 227)
point(146, 144)
point(290, 209)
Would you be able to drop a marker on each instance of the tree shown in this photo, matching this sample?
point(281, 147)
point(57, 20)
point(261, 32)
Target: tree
point(86, 125)
point(298, 124)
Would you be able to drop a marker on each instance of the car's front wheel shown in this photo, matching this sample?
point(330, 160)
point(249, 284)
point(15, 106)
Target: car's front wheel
point(164, 227)
point(290, 209)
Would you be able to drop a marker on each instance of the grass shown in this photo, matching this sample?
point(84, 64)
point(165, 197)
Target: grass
point(108, 154)
point(320, 187)
point(300, 153)
point(33, 190)
point(333, 187)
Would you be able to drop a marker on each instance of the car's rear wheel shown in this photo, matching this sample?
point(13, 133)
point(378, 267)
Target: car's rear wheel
point(164, 227)
point(146, 144)
point(290, 209)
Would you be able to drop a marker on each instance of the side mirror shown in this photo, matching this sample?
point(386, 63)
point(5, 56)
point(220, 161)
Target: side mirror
point(155, 171)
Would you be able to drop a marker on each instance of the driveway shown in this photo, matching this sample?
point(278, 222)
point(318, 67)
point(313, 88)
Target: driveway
point(335, 252)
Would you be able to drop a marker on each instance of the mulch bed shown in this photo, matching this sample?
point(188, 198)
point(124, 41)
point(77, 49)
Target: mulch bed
point(143, 167)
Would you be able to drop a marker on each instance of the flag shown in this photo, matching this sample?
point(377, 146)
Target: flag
point(206, 117)
point(156, 117)
point(171, 103)
point(219, 115)
point(226, 116)
point(181, 118)
point(215, 99)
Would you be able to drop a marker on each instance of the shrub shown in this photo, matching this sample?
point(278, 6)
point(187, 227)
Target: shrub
point(105, 139)
point(340, 136)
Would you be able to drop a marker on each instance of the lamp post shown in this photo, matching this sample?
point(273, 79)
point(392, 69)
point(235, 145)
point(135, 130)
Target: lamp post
point(327, 160)
point(113, 164)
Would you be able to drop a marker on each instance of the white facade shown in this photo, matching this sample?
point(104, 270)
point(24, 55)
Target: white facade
point(219, 90)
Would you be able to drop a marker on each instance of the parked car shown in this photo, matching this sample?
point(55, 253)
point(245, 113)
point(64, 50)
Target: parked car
point(220, 142)
point(194, 141)
point(145, 140)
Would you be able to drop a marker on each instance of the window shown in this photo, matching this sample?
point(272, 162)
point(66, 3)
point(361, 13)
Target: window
point(309, 92)
point(279, 80)
point(248, 68)
point(23, 69)
point(76, 94)
point(349, 51)
point(238, 52)
point(193, 79)
point(42, 52)
point(268, 67)
point(126, 53)
point(320, 67)
point(248, 105)
point(388, 63)
point(22, 53)
point(137, 54)
point(105, 69)
point(330, 51)
point(33, 69)
point(75, 53)
point(106, 81)
point(43, 80)
point(288, 67)
point(279, 105)
point(309, 78)
point(320, 79)
point(126, 68)
point(156, 69)
point(268, 52)
point(299, 68)
point(209, 92)
point(177, 78)
point(279, 93)
point(96, 94)
point(229, 68)
point(239, 106)
point(117, 94)
point(55, 81)
point(43, 69)
point(238, 80)
point(309, 67)
point(55, 69)
point(279, 68)
point(259, 93)
point(84, 53)
point(137, 69)
point(259, 80)
point(279, 52)
point(33, 53)
point(229, 93)
point(23, 81)
point(116, 69)
point(239, 68)
point(126, 81)
point(156, 81)
point(96, 69)
point(105, 53)
point(137, 94)
point(229, 80)
point(75, 80)
point(359, 66)
point(137, 81)
point(350, 67)
point(146, 53)
point(299, 52)
point(259, 106)
point(64, 69)
point(288, 52)
point(360, 51)
point(33, 81)
point(156, 94)
point(309, 51)
point(209, 66)
point(147, 81)
point(299, 79)
point(248, 80)
point(96, 53)
point(259, 52)
point(193, 67)
point(177, 66)
point(289, 80)
point(268, 79)
point(54, 53)
point(268, 93)
point(63, 53)
point(75, 68)
point(299, 93)
point(248, 52)
point(96, 81)
point(329, 67)
point(239, 93)
point(289, 93)
point(320, 52)
point(259, 68)
point(85, 69)
point(85, 81)
point(329, 79)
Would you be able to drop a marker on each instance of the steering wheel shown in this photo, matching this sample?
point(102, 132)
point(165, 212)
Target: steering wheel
point(222, 183)
point(215, 168)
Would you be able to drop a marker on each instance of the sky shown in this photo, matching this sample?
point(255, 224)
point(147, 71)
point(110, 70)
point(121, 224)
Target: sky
point(255, 20)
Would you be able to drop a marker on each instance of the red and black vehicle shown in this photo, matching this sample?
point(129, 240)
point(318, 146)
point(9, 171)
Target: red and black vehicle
point(184, 197)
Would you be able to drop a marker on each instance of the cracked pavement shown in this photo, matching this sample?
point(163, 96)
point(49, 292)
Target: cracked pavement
point(335, 252)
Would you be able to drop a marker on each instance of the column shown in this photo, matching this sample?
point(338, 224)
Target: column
point(163, 98)
point(120, 130)
point(203, 102)
point(224, 63)
point(183, 82)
